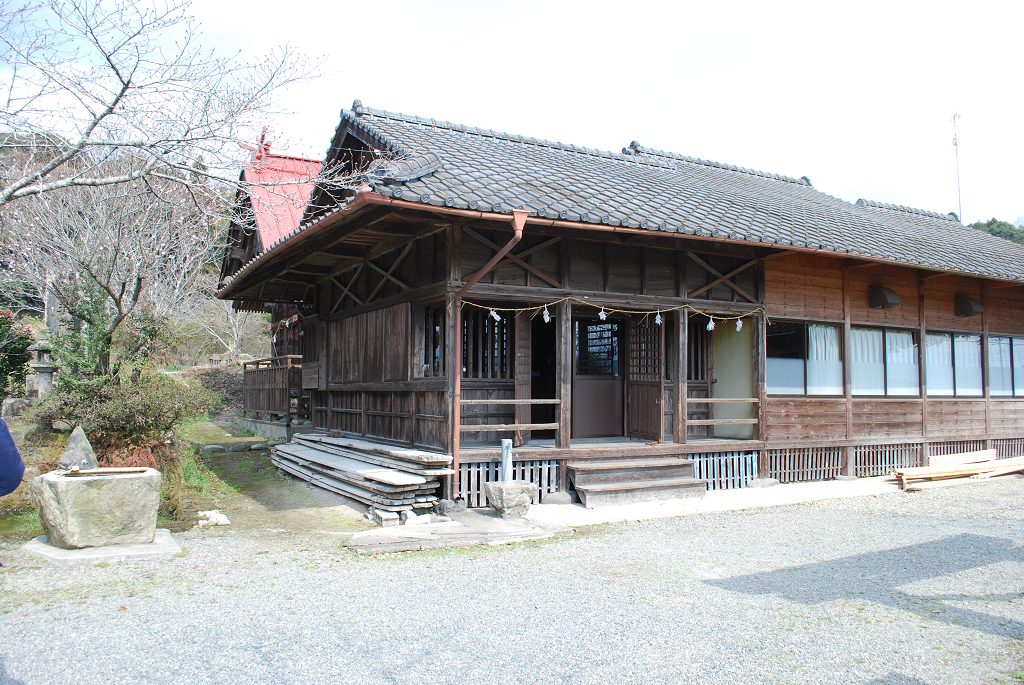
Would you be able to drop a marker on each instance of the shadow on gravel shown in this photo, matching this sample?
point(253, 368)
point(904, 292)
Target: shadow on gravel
point(5, 679)
point(877, 576)
point(896, 679)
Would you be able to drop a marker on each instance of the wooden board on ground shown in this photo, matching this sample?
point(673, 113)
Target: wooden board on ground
point(961, 458)
point(955, 471)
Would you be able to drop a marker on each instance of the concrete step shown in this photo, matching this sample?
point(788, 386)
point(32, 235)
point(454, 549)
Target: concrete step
point(629, 470)
point(648, 491)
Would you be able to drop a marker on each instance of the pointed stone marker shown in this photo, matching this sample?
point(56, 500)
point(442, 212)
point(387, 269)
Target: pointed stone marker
point(78, 453)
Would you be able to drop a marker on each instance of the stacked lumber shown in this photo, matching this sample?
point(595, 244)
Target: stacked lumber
point(976, 465)
point(386, 478)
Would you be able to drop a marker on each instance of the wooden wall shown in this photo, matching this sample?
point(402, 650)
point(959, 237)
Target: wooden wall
point(413, 418)
point(371, 347)
point(802, 287)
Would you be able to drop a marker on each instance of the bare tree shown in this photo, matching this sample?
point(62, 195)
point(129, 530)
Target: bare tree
point(86, 81)
point(135, 250)
point(230, 327)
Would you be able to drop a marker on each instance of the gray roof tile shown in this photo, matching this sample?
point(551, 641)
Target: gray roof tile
point(492, 171)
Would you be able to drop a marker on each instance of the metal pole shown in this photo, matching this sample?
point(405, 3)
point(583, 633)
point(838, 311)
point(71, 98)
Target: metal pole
point(506, 460)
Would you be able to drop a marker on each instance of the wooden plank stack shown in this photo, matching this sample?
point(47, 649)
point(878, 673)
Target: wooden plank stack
point(976, 465)
point(389, 479)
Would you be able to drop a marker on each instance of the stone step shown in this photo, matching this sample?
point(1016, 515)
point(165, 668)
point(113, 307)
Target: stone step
point(647, 491)
point(638, 470)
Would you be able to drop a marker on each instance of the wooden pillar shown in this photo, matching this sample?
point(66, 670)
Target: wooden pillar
point(923, 369)
point(563, 374)
point(682, 369)
point(850, 469)
point(984, 370)
point(760, 388)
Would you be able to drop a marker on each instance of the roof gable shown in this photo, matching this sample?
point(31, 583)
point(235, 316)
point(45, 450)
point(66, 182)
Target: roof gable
point(279, 187)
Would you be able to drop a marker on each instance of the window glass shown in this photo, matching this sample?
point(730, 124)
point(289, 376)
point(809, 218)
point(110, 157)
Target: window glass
point(938, 359)
point(597, 348)
point(824, 362)
point(1000, 369)
point(967, 365)
point(867, 361)
point(1018, 366)
point(784, 372)
point(901, 375)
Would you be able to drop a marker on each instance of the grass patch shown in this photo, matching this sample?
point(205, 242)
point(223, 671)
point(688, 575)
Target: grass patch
point(194, 475)
point(18, 526)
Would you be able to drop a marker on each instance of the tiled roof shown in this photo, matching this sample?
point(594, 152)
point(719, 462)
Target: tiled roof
point(487, 170)
point(279, 187)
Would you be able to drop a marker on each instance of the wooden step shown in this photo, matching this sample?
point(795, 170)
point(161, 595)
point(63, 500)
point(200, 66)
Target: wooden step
point(632, 471)
point(645, 491)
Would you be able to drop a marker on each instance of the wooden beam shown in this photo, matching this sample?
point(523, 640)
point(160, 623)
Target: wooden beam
point(848, 372)
point(346, 290)
point(711, 270)
point(726, 277)
point(679, 410)
point(387, 275)
point(563, 372)
point(625, 301)
point(515, 257)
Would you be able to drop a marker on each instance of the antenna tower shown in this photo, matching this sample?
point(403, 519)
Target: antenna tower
point(956, 151)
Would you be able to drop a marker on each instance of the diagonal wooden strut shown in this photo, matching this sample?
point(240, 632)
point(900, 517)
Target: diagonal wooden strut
point(721, 279)
point(517, 258)
point(386, 275)
point(346, 290)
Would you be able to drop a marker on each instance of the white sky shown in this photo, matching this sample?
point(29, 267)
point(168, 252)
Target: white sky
point(857, 96)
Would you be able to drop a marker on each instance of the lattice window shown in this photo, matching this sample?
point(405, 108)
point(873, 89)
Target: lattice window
point(486, 346)
point(645, 351)
point(433, 341)
point(597, 348)
point(697, 352)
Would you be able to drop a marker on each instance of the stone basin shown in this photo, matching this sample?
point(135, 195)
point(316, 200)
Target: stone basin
point(98, 507)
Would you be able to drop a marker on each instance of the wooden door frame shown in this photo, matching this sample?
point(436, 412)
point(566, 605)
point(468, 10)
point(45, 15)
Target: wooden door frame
point(658, 435)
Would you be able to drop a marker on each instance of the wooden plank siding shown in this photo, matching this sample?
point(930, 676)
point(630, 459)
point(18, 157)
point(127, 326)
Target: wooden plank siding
point(378, 341)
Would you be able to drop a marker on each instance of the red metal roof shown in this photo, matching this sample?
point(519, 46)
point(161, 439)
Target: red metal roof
point(279, 187)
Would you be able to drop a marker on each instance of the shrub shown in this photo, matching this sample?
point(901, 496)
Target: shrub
point(126, 409)
point(14, 356)
point(226, 381)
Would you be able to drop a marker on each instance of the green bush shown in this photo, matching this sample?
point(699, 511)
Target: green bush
point(14, 356)
point(226, 381)
point(125, 409)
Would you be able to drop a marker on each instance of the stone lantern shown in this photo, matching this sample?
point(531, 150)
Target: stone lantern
point(43, 365)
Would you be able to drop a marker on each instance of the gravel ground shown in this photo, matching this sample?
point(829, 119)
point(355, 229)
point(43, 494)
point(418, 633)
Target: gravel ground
point(903, 588)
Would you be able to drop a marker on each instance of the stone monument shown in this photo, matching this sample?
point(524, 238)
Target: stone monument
point(84, 506)
point(509, 498)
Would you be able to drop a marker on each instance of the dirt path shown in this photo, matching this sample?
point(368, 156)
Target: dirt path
point(255, 495)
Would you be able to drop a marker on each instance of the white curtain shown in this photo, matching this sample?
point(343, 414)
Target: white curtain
point(1018, 366)
point(938, 360)
point(867, 361)
point(901, 374)
point(967, 364)
point(1000, 372)
point(824, 363)
point(784, 376)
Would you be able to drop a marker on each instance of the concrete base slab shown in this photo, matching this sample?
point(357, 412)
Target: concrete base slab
point(163, 545)
point(466, 529)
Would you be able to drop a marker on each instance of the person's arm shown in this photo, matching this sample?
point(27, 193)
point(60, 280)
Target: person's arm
point(12, 468)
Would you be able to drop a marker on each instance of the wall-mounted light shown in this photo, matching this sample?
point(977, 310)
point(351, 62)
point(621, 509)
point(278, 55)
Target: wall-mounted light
point(966, 306)
point(882, 298)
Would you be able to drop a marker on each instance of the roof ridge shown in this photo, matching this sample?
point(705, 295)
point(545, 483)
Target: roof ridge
point(641, 150)
point(363, 110)
point(904, 209)
point(294, 157)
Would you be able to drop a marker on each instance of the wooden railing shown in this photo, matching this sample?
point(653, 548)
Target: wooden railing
point(717, 400)
point(269, 384)
point(489, 427)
